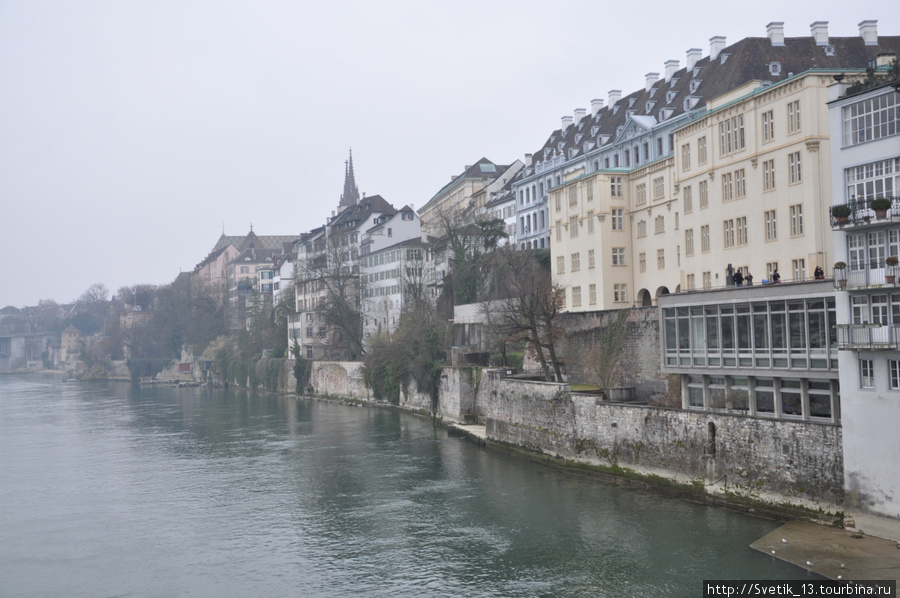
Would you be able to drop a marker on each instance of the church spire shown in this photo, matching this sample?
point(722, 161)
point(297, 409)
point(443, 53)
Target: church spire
point(351, 194)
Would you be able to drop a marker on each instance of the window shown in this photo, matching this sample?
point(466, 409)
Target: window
point(771, 227)
point(727, 187)
point(740, 184)
point(731, 135)
point(728, 233)
point(589, 189)
point(592, 294)
point(660, 259)
point(689, 242)
point(560, 264)
point(796, 220)
point(688, 200)
point(873, 118)
point(686, 156)
point(894, 367)
point(875, 179)
point(590, 258)
point(245, 269)
point(703, 190)
point(573, 227)
point(794, 167)
point(615, 184)
point(642, 259)
point(618, 256)
point(576, 262)
point(689, 282)
point(866, 373)
point(618, 219)
point(704, 238)
point(793, 109)
point(741, 226)
point(770, 268)
point(707, 280)
point(576, 296)
point(768, 125)
point(769, 175)
point(642, 228)
point(590, 222)
point(659, 225)
point(620, 293)
point(558, 200)
point(573, 196)
point(799, 267)
point(659, 188)
point(701, 150)
point(559, 231)
point(640, 194)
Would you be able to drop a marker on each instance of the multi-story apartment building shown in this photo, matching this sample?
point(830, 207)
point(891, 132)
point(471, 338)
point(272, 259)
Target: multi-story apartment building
point(391, 277)
point(722, 162)
point(461, 196)
point(865, 153)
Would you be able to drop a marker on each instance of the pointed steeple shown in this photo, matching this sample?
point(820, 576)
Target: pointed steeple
point(351, 194)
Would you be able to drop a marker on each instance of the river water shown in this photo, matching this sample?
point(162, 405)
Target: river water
point(112, 490)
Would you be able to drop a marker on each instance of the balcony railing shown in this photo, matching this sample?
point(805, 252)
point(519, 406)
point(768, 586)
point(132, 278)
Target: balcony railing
point(861, 213)
point(867, 276)
point(869, 336)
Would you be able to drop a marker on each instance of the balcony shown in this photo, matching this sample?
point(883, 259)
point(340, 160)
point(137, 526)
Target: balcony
point(859, 212)
point(885, 337)
point(868, 276)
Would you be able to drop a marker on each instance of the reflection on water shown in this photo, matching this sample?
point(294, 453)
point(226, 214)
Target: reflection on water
point(113, 490)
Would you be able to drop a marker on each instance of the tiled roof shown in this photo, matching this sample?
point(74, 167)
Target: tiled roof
point(751, 58)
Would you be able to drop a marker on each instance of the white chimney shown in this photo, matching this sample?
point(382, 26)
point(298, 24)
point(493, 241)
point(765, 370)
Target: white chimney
point(775, 31)
point(528, 158)
point(579, 114)
point(819, 31)
point(716, 45)
point(566, 123)
point(671, 69)
point(596, 106)
point(650, 79)
point(868, 30)
point(693, 57)
point(614, 96)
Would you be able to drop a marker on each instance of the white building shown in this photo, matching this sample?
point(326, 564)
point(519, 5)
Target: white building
point(865, 154)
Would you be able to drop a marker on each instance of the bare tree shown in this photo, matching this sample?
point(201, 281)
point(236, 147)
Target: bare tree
point(529, 307)
point(336, 275)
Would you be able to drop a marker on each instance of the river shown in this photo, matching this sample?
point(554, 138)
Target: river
point(112, 490)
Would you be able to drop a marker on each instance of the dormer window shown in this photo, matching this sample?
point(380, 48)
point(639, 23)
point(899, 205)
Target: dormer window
point(695, 84)
point(615, 109)
point(594, 131)
point(696, 71)
point(723, 58)
point(670, 95)
point(666, 113)
point(829, 50)
point(648, 107)
point(774, 68)
point(631, 102)
point(578, 138)
point(690, 102)
point(673, 81)
point(652, 91)
point(629, 114)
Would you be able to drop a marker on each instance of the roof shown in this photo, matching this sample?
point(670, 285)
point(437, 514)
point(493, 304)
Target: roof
point(482, 169)
point(750, 59)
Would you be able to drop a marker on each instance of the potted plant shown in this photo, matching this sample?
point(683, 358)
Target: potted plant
point(881, 205)
point(840, 274)
point(841, 214)
point(891, 263)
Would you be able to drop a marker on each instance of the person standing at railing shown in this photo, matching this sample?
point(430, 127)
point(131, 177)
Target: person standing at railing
point(776, 277)
point(819, 273)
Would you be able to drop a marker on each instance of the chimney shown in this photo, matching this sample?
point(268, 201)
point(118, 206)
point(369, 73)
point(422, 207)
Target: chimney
point(596, 106)
point(566, 123)
point(528, 158)
point(650, 79)
point(869, 32)
point(693, 57)
point(671, 69)
point(819, 31)
point(775, 31)
point(579, 114)
point(885, 59)
point(716, 45)
point(614, 96)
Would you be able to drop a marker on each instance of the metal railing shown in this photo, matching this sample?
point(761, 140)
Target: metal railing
point(869, 336)
point(867, 276)
point(861, 213)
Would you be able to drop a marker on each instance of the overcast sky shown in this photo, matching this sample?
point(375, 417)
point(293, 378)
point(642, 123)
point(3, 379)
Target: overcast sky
point(133, 132)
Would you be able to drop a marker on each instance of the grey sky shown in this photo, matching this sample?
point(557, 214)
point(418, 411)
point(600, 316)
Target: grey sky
point(130, 132)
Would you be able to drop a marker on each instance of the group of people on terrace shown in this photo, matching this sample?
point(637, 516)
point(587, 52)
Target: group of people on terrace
point(739, 278)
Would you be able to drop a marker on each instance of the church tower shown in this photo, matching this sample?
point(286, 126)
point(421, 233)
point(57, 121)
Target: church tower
point(351, 194)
